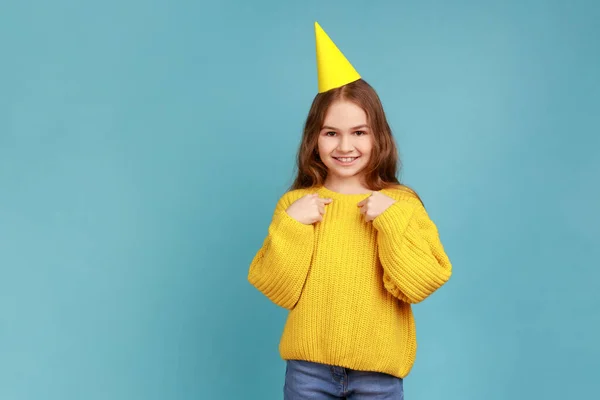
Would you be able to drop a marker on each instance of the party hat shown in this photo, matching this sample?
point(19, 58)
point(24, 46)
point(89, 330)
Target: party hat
point(333, 69)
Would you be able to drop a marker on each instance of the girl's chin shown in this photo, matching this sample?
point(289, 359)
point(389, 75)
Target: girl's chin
point(345, 172)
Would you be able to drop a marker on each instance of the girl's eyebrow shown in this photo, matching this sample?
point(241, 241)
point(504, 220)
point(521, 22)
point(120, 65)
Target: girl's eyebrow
point(356, 127)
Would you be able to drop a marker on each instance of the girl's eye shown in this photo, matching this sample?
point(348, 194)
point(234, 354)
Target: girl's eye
point(330, 133)
point(359, 133)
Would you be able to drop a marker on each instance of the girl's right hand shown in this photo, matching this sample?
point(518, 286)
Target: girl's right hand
point(308, 209)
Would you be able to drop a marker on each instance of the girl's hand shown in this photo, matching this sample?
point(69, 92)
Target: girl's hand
point(308, 209)
point(375, 205)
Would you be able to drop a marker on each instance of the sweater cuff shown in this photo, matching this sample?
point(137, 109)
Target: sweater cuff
point(395, 218)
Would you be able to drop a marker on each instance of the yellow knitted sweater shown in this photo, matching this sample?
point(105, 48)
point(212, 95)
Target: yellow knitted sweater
point(349, 284)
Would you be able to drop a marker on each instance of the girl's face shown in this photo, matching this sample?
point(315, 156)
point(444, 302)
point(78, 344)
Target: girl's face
point(345, 140)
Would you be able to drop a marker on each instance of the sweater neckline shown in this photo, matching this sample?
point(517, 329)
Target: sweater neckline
point(344, 196)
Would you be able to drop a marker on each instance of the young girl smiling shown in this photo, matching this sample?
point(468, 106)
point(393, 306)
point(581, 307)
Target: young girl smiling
point(349, 249)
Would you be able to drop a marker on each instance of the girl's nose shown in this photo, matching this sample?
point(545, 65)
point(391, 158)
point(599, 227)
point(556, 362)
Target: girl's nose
point(345, 144)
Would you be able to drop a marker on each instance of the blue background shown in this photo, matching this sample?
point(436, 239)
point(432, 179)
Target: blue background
point(143, 145)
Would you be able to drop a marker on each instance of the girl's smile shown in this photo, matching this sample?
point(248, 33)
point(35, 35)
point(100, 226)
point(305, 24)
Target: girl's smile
point(345, 161)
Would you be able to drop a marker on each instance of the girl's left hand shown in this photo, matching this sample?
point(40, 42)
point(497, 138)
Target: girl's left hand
point(375, 205)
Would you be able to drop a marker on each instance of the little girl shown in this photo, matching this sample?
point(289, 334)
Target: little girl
point(349, 248)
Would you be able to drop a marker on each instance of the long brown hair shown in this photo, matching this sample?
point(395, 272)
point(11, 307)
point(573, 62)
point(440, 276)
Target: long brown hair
point(384, 165)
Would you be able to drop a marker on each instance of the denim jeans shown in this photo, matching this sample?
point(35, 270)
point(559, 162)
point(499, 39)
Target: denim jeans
point(307, 380)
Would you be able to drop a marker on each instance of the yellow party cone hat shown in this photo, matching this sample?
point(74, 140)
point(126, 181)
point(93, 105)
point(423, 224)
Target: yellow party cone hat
point(333, 69)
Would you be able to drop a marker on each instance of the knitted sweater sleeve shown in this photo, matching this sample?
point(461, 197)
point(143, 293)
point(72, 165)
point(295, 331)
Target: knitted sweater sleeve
point(280, 266)
point(414, 261)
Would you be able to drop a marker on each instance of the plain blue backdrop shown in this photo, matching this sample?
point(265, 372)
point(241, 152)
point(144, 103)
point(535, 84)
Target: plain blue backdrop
point(143, 145)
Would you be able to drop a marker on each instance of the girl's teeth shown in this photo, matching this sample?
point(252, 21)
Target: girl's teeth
point(347, 159)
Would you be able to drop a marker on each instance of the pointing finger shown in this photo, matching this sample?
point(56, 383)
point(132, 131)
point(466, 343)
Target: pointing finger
point(363, 202)
point(321, 209)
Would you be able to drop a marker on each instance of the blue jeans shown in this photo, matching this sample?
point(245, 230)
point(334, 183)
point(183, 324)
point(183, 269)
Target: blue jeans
point(307, 380)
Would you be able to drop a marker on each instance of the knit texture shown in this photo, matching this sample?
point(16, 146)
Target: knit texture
point(349, 284)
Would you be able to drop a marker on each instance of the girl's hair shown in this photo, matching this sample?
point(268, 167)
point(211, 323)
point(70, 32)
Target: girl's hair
point(384, 164)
